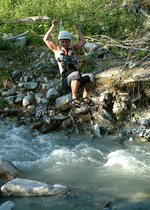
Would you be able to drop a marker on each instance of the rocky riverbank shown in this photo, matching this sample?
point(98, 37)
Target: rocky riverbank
point(33, 95)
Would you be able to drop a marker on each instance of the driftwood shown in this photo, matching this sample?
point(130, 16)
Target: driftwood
point(145, 79)
point(17, 36)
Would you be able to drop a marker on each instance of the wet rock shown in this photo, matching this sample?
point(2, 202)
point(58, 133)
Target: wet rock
point(24, 187)
point(96, 130)
point(8, 170)
point(8, 205)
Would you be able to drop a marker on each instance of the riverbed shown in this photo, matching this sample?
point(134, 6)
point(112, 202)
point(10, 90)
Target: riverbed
point(95, 170)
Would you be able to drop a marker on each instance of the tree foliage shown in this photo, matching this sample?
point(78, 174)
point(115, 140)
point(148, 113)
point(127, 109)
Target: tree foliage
point(97, 16)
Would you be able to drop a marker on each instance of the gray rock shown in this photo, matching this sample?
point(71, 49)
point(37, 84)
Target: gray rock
point(63, 101)
point(31, 85)
point(10, 92)
point(52, 94)
point(143, 121)
point(27, 100)
point(44, 101)
point(8, 170)
point(10, 100)
point(42, 55)
point(8, 205)
point(24, 187)
point(96, 129)
point(90, 47)
point(14, 74)
point(21, 41)
point(19, 98)
point(81, 110)
point(38, 97)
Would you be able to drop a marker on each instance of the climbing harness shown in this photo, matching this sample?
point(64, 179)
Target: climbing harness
point(67, 63)
point(60, 24)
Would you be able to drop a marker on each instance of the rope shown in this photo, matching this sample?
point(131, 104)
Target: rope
point(60, 25)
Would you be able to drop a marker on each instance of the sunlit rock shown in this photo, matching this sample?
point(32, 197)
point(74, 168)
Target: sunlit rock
point(24, 187)
point(63, 101)
point(27, 100)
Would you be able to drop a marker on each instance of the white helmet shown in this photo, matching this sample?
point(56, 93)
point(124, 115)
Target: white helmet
point(64, 35)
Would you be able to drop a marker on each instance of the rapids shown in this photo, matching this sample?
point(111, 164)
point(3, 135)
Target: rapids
point(96, 170)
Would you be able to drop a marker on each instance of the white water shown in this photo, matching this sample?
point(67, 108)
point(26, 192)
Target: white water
point(96, 170)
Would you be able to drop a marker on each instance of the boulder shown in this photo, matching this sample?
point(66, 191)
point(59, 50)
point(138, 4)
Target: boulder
point(52, 94)
point(9, 205)
point(63, 101)
point(24, 187)
point(8, 170)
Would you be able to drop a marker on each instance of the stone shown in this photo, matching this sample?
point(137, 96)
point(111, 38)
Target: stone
point(10, 92)
point(63, 101)
point(90, 47)
point(27, 100)
point(10, 100)
point(31, 85)
point(143, 121)
point(8, 170)
point(19, 98)
point(81, 110)
point(52, 94)
point(21, 41)
point(8, 205)
point(38, 97)
point(25, 187)
point(96, 129)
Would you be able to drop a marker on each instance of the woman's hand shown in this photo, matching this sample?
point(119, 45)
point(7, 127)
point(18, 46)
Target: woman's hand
point(55, 22)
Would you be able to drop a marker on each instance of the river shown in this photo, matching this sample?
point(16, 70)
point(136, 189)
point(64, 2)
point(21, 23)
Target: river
point(97, 170)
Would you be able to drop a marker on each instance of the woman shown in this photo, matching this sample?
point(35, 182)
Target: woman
point(72, 79)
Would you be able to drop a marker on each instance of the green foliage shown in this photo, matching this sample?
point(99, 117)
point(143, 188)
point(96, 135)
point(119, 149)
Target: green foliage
point(140, 54)
point(119, 52)
point(2, 103)
point(95, 14)
point(146, 84)
point(119, 116)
